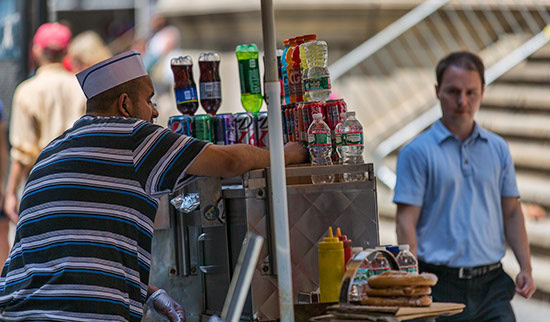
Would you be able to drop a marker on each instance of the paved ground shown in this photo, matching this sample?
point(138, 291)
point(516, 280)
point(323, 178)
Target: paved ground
point(530, 310)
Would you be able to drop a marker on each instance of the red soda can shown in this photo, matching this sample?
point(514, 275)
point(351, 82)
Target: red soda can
point(289, 113)
point(333, 108)
point(245, 128)
point(307, 114)
point(262, 130)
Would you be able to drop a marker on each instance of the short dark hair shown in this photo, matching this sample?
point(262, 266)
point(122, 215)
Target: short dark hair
point(100, 102)
point(461, 59)
point(53, 55)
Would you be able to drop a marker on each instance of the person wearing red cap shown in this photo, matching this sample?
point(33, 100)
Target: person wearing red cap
point(44, 106)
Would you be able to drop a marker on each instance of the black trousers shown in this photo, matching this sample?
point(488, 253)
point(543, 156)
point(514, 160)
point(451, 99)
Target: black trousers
point(487, 297)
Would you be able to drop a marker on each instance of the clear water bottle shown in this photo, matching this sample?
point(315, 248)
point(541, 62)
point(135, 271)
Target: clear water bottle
point(352, 146)
point(317, 84)
point(379, 264)
point(320, 147)
point(406, 260)
point(337, 147)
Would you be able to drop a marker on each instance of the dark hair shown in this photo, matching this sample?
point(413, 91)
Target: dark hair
point(102, 101)
point(53, 55)
point(461, 59)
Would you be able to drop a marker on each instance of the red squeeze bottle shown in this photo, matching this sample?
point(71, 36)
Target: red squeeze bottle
point(347, 246)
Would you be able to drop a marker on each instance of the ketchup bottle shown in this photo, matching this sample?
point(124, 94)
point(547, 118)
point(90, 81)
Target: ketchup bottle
point(347, 245)
point(209, 82)
point(184, 87)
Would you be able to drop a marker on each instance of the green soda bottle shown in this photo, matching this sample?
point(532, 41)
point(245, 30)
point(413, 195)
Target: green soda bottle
point(249, 74)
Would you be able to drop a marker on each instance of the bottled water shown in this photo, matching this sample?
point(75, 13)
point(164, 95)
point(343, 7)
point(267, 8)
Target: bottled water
point(352, 146)
point(308, 39)
point(379, 264)
point(337, 150)
point(320, 147)
point(317, 84)
point(406, 260)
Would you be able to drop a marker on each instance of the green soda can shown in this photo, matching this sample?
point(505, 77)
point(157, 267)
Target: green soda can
point(249, 74)
point(202, 127)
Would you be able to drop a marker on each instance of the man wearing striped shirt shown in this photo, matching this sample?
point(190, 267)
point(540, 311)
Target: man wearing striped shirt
point(83, 240)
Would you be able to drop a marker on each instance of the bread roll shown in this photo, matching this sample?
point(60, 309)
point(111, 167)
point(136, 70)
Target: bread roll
point(407, 291)
point(414, 301)
point(399, 279)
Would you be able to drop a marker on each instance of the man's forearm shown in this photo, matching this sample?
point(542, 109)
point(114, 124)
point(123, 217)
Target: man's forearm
point(17, 172)
point(3, 155)
point(406, 234)
point(516, 237)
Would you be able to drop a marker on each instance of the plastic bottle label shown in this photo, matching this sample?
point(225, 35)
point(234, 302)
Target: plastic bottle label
point(186, 95)
point(319, 139)
point(250, 76)
point(317, 84)
point(210, 90)
point(338, 140)
point(296, 81)
point(352, 138)
point(409, 269)
point(361, 276)
point(377, 271)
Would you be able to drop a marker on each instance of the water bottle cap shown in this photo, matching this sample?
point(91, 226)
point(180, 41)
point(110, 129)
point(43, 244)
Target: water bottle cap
point(404, 247)
point(309, 37)
point(317, 116)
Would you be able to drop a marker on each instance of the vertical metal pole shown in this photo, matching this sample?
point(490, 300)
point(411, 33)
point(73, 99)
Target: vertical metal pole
point(280, 206)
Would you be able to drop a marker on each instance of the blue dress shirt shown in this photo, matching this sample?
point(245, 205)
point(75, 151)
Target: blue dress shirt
point(459, 186)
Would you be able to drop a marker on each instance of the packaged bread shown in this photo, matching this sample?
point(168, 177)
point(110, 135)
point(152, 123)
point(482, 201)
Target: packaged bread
point(397, 291)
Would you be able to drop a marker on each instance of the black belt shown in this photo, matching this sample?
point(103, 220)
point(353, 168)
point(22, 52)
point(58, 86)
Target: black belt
point(462, 272)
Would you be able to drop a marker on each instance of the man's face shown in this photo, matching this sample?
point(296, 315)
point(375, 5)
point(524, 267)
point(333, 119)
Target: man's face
point(460, 94)
point(144, 108)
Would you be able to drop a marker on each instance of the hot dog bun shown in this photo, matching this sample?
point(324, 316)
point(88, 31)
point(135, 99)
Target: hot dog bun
point(414, 301)
point(399, 279)
point(397, 291)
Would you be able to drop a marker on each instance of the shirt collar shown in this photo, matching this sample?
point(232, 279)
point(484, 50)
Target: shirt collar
point(441, 133)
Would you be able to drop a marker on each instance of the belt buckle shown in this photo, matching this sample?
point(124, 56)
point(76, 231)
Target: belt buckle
point(462, 275)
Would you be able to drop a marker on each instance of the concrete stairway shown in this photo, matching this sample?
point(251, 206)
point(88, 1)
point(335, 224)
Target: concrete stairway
point(517, 107)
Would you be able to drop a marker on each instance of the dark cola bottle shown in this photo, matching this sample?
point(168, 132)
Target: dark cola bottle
point(209, 82)
point(184, 85)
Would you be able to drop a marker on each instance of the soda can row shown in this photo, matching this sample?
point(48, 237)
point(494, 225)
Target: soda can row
point(224, 129)
point(297, 117)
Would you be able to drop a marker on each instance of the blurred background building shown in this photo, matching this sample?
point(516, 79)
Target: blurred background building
point(382, 56)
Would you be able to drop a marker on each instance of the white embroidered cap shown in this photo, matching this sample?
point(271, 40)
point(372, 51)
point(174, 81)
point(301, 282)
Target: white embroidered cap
point(111, 73)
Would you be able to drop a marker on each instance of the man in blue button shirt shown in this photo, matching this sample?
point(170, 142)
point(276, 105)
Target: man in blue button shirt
point(458, 202)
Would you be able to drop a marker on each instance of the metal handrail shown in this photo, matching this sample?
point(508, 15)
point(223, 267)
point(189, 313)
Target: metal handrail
point(392, 32)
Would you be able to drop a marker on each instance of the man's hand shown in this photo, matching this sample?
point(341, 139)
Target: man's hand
point(11, 207)
point(525, 286)
point(295, 153)
point(163, 304)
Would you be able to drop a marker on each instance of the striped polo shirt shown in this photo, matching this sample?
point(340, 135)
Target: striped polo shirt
point(82, 248)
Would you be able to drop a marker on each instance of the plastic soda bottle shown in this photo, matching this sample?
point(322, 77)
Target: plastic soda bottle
point(352, 146)
point(297, 89)
point(320, 147)
point(303, 63)
point(209, 82)
point(331, 267)
point(379, 264)
point(318, 84)
point(249, 74)
point(284, 74)
point(184, 85)
point(406, 260)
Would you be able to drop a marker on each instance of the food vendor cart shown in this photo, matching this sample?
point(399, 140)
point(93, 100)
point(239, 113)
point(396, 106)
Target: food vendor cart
point(195, 253)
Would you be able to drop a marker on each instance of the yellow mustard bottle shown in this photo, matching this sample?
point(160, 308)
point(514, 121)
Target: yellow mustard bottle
point(331, 267)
